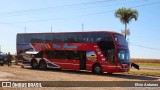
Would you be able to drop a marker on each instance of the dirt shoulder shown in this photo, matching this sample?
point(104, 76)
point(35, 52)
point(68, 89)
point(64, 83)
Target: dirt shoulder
point(17, 73)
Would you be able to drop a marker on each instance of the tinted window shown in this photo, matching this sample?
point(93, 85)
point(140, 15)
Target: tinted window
point(82, 37)
point(51, 54)
point(120, 40)
point(104, 41)
point(36, 38)
point(48, 38)
point(27, 38)
point(62, 54)
point(72, 55)
point(123, 56)
point(70, 38)
point(20, 38)
point(98, 37)
point(57, 54)
point(58, 38)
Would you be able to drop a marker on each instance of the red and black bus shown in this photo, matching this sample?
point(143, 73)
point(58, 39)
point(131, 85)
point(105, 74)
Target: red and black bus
point(96, 51)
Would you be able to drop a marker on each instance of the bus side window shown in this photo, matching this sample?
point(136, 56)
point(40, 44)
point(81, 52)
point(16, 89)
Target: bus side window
point(73, 55)
point(58, 38)
point(70, 38)
point(36, 38)
point(20, 38)
point(62, 54)
point(82, 38)
point(48, 38)
point(48, 53)
point(27, 38)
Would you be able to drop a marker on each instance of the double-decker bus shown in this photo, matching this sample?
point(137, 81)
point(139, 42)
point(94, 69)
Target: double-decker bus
point(96, 51)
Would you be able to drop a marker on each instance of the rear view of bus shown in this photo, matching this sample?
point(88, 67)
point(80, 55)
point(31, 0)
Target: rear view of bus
point(96, 51)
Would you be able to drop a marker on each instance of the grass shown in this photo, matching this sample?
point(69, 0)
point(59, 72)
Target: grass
point(144, 72)
point(157, 65)
point(139, 60)
point(147, 63)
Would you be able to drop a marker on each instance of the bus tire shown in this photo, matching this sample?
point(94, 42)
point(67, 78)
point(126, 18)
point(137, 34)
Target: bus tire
point(97, 69)
point(34, 64)
point(43, 65)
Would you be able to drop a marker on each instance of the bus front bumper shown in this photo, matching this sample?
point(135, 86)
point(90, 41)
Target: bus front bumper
point(122, 69)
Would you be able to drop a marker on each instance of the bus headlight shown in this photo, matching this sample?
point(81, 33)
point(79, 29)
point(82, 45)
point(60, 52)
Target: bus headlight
point(103, 59)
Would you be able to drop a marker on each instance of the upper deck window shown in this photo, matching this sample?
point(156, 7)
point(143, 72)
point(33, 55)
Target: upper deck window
point(24, 38)
point(120, 40)
point(100, 37)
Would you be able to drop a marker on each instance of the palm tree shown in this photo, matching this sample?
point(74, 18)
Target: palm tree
point(126, 15)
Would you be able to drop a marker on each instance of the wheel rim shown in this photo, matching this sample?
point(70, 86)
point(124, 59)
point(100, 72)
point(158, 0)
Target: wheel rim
point(35, 64)
point(97, 69)
point(43, 65)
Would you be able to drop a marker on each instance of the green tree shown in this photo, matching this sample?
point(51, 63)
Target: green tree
point(126, 15)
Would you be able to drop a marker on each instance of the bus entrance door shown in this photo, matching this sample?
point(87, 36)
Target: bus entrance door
point(82, 60)
point(112, 61)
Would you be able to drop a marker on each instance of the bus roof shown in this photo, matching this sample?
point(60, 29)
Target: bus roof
point(71, 32)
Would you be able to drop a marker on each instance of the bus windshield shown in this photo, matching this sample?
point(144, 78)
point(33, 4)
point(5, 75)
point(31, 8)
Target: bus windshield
point(123, 56)
point(120, 40)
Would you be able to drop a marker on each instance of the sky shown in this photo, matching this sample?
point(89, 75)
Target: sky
point(68, 16)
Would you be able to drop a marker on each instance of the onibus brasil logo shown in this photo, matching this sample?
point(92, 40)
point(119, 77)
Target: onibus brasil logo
point(21, 84)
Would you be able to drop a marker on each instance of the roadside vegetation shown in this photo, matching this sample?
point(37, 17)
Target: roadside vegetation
point(139, 60)
point(144, 72)
point(126, 15)
point(155, 63)
point(148, 67)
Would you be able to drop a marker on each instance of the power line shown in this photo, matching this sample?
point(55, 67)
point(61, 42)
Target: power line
point(78, 4)
point(146, 4)
point(77, 16)
point(57, 18)
point(144, 46)
point(20, 14)
point(116, 4)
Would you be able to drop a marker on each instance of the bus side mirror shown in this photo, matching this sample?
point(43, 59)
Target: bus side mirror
point(135, 65)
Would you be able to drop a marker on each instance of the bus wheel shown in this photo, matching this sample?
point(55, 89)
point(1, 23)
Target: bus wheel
point(34, 64)
point(43, 65)
point(97, 69)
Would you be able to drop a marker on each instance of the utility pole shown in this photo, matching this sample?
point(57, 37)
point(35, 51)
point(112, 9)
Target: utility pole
point(82, 27)
point(25, 29)
point(51, 28)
